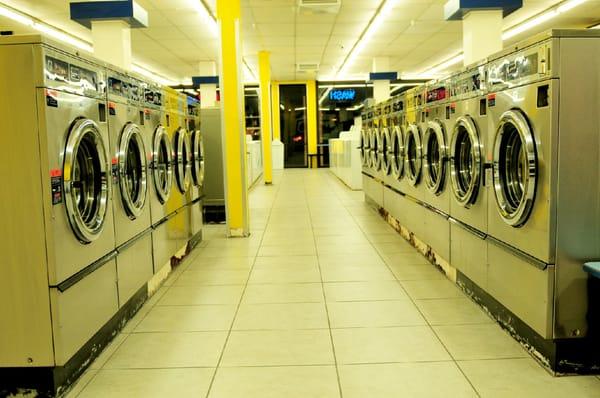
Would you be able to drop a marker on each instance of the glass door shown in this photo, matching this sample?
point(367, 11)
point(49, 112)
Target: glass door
point(293, 125)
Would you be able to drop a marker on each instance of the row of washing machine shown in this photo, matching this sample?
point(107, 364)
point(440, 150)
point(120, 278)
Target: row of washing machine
point(102, 183)
point(495, 170)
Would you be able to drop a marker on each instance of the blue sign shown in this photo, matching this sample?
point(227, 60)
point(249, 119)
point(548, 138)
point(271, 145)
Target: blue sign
point(342, 95)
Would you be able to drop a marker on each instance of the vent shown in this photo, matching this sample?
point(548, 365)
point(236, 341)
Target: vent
point(307, 67)
point(319, 6)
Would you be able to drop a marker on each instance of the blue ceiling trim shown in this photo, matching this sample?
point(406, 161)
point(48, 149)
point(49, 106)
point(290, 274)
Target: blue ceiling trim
point(455, 10)
point(383, 76)
point(198, 80)
point(125, 10)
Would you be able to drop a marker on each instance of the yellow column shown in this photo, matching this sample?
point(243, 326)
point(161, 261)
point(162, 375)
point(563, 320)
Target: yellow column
point(275, 111)
point(311, 116)
point(232, 121)
point(264, 71)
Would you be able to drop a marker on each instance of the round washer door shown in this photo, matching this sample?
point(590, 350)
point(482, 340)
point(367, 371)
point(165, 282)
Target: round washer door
point(465, 161)
point(86, 180)
point(375, 145)
point(384, 151)
point(197, 158)
point(515, 168)
point(365, 145)
point(434, 156)
point(414, 155)
point(162, 164)
point(132, 170)
point(183, 159)
point(396, 153)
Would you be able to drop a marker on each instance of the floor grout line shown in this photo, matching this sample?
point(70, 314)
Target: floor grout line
point(337, 369)
point(212, 381)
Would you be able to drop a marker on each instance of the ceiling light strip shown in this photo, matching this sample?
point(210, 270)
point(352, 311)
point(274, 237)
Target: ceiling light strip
point(374, 24)
point(539, 19)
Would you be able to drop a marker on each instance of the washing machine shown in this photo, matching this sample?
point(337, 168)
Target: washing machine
point(164, 244)
point(130, 149)
point(368, 175)
point(543, 218)
point(378, 149)
point(178, 226)
point(411, 185)
point(58, 258)
point(440, 114)
point(393, 196)
point(468, 150)
point(197, 170)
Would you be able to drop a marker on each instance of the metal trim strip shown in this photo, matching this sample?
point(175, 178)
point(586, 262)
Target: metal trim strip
point(523, 256)
point(73, 280)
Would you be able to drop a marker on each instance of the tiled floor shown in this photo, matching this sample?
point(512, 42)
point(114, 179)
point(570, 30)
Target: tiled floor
point(323, 300)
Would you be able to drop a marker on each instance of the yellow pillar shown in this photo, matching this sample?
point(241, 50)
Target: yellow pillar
point(311, 116)
point(275, 111)
point(264, 71)
point(232, 120)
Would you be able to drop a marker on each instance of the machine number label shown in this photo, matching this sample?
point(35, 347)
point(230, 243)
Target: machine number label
point(112, 109)
point(56, 185)
point(51, 99)
point(491, 100)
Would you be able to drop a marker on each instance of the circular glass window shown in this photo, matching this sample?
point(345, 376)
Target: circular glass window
point(465, 161)
point(384, 151)
point(397, 152)
point(85, 179)
point(184, 160)
point(162, 165)
point(132, 170)
point(435, 158)
point(413, 155)
point(515, 168)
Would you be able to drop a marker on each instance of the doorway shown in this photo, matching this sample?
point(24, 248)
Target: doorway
point(293, 125)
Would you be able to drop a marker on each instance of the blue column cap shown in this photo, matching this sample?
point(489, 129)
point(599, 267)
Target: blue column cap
point(383, 76)
point(125, 10)
point(198, 80)
point(455, 10)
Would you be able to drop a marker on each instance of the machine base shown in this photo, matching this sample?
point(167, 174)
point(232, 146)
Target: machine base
point(564, 356)
point(54, 381)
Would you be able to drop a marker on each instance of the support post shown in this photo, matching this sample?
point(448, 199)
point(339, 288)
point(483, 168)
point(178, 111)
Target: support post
point(264, 71)
point(311, 121)
point(482, 34)
point(232, 119)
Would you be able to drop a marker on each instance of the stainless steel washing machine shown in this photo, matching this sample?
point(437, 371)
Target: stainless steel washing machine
point(468, 149)
point(130, 148)
point(440, 114)
point(543, 221)
point(57, 255)
point(411, 185)
point(161, 177)
point(197, 168)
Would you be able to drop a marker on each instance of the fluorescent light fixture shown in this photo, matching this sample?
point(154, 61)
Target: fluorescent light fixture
point(205, 14)
point(537, 20)
point(325, 94)
point(357, 107)
point(384, 10)
point(597, 26)
point(48, 30)
point(541, 18)
point(399, 86)
point(15, 16)
point(142, 70)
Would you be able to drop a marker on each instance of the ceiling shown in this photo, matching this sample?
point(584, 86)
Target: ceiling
point(414, 36)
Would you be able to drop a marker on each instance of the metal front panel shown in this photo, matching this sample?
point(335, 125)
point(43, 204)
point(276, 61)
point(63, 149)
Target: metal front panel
point(536, 236)
point(25, 312)
point(125, 228)
point(196, 221)
point(525, 290)
point(134, 268)
point(163, 247)
point(578, 209)
point(68, 255)
point(82, 310)
point(476, 213)
point(437, 233)
point(213, 146)
point(468, 253)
